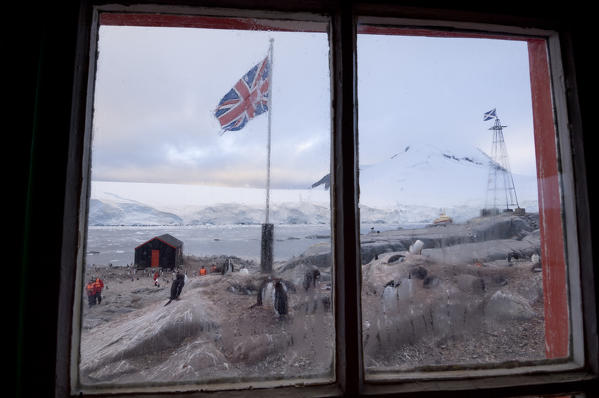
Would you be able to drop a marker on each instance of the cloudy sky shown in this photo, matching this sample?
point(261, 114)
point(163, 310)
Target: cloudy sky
point(436, 90)
point(157, 88)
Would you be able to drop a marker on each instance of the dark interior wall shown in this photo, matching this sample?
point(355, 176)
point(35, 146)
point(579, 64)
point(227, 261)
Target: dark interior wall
point(42, 54)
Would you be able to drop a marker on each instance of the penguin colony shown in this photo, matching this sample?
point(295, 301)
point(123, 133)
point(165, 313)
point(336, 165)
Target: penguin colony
point(272, 291)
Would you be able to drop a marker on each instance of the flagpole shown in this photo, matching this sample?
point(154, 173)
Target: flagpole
point(270, 64)
point(267, 227)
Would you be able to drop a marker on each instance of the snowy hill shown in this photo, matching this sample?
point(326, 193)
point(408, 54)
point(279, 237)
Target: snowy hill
point(430, 176)
point(414, 184)
point(411, 186)
point(120, 211)
point(283, 213)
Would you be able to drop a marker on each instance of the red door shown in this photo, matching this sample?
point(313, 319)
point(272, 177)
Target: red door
point(155, 257)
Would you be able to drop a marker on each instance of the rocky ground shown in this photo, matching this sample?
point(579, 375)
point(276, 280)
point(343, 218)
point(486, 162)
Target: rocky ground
point(458, 302)
point(214, 332)
point(455, 315)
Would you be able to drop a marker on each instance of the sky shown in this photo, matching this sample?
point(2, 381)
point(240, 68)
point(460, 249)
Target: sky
point(156, 90)
point(436, 90)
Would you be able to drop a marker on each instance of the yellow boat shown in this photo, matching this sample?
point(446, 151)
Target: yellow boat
point(443, 219)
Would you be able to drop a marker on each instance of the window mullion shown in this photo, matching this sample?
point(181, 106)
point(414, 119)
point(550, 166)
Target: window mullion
point(349, 369)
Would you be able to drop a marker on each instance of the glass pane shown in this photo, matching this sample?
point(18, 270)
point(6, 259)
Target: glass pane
point(204, 278)
point(450, 231)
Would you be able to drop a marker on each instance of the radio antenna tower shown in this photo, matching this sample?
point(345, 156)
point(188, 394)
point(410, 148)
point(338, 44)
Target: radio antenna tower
point(500, 184)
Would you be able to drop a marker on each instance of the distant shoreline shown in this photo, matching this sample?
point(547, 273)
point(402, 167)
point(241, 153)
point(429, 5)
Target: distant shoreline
point(115, 245)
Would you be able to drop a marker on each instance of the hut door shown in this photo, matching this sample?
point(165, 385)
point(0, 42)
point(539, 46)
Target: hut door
point(155, 257)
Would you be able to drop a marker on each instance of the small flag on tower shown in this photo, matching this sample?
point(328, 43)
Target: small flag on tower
point(489, 115)
point(247, 99)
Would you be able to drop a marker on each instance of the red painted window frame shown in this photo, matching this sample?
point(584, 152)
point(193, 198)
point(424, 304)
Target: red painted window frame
point(206, 22)
point(555, 293)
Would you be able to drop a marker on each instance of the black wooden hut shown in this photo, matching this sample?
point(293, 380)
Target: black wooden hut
point(164, 251)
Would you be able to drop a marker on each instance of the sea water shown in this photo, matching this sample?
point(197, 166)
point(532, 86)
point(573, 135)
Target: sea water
point(116, 244)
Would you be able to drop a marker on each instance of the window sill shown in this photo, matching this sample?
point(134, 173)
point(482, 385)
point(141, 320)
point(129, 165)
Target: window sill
point(537, 380)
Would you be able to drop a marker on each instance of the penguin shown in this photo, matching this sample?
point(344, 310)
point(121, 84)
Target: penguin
point(280, 299)
point(513, 255)
point(390, 297)
point(310, 278)
point(392, 283)
point(264, 292)
point(311, 298)
point(416, 248)
point(227, 266)
point(273, 292)
point(176, 287)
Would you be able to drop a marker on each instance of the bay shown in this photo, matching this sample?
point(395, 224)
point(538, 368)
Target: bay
point(116, 245)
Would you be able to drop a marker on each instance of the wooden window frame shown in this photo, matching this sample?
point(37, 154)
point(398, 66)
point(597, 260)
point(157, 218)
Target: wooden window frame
point(583, 367)
point(550, 180)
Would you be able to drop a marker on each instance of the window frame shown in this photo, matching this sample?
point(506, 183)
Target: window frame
point(115, 15)
point(344, 193)
point(559, 298)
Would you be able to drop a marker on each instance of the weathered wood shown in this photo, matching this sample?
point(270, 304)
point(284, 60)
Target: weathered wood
point(266, 248)
point(347, 277)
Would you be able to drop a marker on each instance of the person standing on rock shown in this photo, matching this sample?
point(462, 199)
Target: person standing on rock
point(91, 293)
point(99, 285)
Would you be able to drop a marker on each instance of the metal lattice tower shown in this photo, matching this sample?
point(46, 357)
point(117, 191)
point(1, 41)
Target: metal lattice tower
point(500, 184)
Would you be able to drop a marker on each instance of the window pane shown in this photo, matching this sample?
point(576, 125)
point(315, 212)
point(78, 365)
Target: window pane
point(179, 193)
point(452, 273)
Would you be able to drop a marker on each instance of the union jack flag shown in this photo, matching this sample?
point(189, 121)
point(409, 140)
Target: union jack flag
point(247, 99)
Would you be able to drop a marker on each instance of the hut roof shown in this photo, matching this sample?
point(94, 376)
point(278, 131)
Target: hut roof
point(166, 238)
point(171, 240)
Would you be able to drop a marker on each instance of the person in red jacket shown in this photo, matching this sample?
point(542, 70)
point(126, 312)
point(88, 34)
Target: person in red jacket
point(99, 284)
point(91, 292)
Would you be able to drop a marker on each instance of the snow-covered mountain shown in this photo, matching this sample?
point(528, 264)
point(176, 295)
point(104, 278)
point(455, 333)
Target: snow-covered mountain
point(122, 211)
point(412, 186)
point(281, 213)
point(431, 176)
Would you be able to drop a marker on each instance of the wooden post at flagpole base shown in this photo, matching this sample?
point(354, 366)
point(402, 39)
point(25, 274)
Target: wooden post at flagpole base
point(268, 228)
point(266, 248)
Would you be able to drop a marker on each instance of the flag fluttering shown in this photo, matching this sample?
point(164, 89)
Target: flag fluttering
point(489, 115)
point(246, 100)
point(251, 96)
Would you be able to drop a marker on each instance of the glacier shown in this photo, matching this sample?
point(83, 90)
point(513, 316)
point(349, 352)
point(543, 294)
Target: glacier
point(413, 185)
